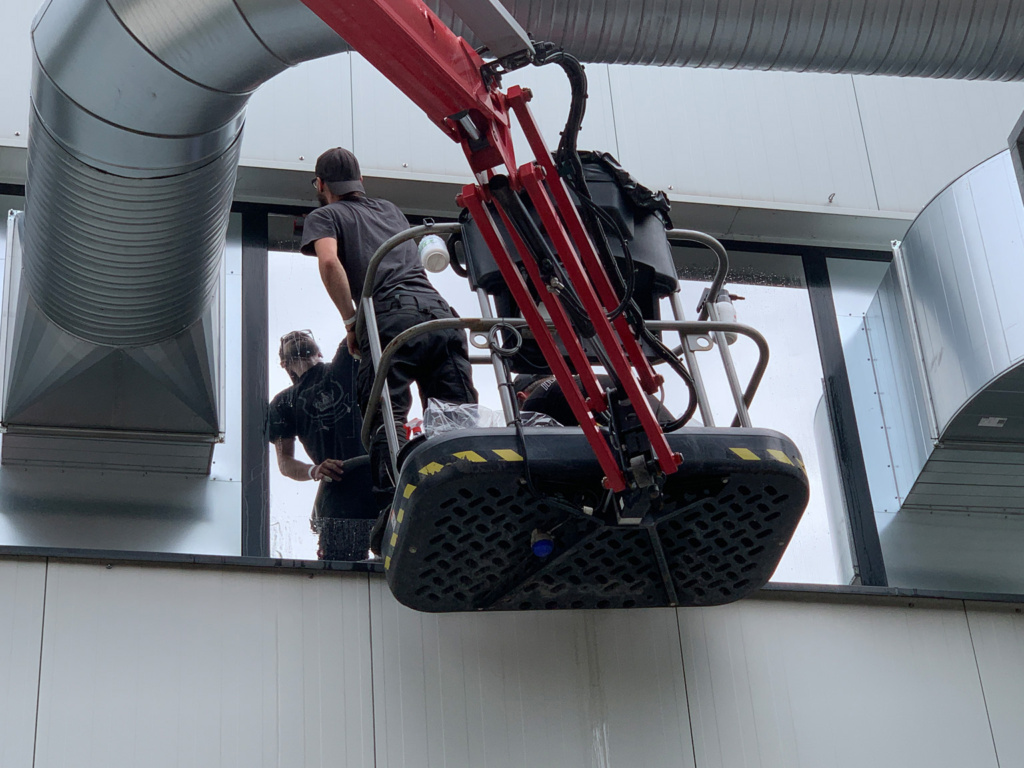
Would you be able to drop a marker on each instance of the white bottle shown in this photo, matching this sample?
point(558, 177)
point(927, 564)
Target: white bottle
point(433, 253)
point(726, 312)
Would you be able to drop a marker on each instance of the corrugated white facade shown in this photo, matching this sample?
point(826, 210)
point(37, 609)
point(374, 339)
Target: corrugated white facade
point(173, 666)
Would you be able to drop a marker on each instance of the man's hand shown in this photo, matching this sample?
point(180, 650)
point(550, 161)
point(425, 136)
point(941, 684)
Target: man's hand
point(353, 344)
point(328, 469)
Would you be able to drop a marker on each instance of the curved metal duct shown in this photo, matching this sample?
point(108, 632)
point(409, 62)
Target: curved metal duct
point(135, 130)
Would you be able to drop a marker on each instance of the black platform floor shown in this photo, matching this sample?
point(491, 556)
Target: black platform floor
point(459, 536)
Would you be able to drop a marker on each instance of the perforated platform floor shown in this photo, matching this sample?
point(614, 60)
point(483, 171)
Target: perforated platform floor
point(459, 536)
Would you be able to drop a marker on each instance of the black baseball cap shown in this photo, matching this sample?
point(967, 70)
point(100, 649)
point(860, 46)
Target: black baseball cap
point(339, 170)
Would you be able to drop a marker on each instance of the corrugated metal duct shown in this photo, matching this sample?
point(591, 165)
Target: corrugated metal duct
point(137, 111)
point(117, 312)
point(964, 39)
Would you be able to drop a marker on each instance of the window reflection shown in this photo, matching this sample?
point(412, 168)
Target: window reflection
point(296, 300)
point(776, 304)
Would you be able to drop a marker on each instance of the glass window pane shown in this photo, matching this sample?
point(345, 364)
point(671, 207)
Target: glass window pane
point(297, 301)
point(786, 400)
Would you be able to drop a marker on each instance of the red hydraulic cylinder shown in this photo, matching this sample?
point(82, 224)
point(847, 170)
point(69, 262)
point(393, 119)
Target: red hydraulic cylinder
point(472, 200)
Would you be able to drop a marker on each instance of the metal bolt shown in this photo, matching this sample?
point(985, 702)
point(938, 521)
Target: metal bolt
point(405, 165)
point(671, 187)
point(17, 133)
point(302, 157)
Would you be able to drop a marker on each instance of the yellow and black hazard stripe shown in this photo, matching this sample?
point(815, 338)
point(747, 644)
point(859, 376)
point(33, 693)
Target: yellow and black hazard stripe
point(474, 457)
point(772, 454)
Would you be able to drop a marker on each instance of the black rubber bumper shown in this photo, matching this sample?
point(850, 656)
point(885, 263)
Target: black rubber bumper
point(466, 510)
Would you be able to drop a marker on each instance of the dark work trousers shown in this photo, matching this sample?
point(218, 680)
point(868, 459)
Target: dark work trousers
point(438, 362)
point(344, 512)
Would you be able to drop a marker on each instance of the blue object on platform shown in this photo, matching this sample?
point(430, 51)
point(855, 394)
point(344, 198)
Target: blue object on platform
point(543, 546)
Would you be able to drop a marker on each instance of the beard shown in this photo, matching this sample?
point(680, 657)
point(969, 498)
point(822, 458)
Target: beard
point(321, 197)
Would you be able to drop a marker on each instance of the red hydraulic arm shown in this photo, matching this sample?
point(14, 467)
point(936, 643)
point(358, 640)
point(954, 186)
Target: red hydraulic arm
point(444, 76)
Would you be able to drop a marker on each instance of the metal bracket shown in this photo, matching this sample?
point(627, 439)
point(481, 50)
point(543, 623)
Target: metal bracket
point(493, 25)
point(700, 343)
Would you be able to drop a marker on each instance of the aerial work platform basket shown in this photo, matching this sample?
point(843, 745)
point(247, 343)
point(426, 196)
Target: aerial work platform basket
point(522, 518)
point(472, 504)
point(569, 259)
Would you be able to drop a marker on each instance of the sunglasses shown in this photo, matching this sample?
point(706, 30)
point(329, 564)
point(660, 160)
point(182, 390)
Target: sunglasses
point(315, 180)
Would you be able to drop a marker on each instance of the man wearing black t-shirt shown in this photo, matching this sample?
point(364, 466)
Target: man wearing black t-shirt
point(344, 233)
point(320, 410)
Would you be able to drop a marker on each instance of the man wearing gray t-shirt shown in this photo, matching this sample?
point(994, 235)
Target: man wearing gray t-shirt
point(343, 234)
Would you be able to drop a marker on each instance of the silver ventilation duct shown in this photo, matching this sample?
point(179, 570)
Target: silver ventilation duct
point(134, 137)
point(115, 300)
point(963, 39)
point(137, 111)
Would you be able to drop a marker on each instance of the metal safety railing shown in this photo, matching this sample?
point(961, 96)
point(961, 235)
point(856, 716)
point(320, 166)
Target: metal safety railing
point(707, 323)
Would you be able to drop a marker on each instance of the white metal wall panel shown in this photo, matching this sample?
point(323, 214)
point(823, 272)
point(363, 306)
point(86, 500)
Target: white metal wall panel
point(16, 60)
point(21, 625)
point(394, 138)
point(766, 136)
point(550, 107)
point(923, 134)
point(562, 689)
point(220, 669)
point(790, 684)
point(998, 634)
point(300, 113)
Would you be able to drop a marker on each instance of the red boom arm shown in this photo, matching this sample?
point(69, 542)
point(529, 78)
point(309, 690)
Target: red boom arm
point(442, 74)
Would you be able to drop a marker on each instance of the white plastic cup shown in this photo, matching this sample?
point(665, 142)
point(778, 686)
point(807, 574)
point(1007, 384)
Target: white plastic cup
point(433, 253)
